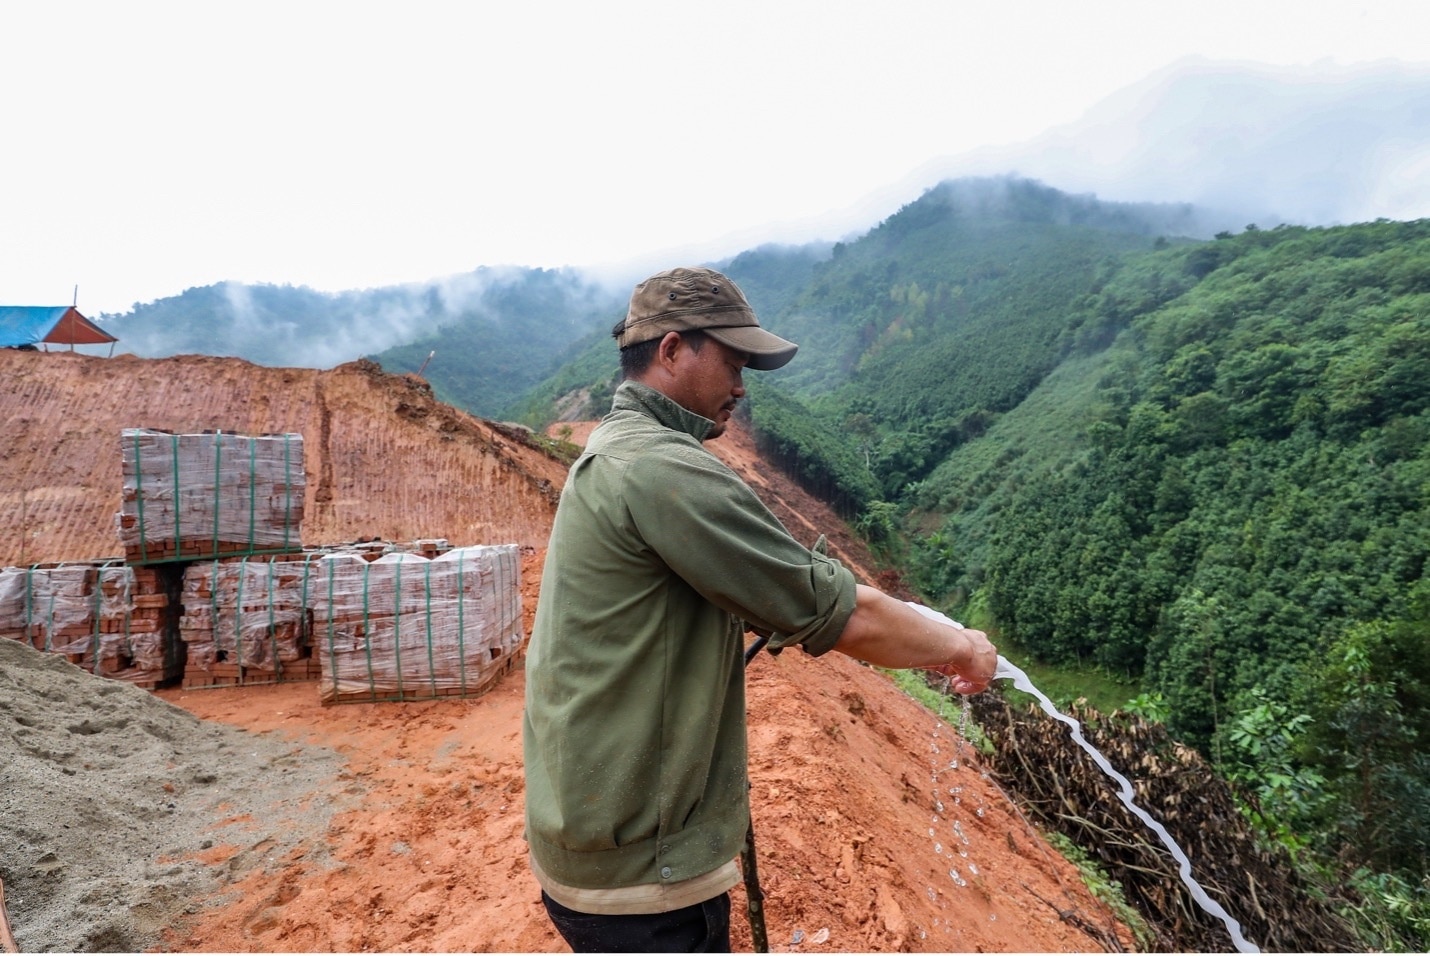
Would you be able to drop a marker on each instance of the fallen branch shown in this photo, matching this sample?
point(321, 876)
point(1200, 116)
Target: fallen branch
point(1108, 939)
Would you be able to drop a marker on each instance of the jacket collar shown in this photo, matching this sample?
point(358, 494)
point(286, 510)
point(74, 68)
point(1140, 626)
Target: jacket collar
point(644, 400)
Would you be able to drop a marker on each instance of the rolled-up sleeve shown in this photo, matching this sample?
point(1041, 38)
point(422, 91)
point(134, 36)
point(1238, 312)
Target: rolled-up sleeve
point(711, 530)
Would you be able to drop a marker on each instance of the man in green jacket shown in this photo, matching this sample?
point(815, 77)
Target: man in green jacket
point(660, 560)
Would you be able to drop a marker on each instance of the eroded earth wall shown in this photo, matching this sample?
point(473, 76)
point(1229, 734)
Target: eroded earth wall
point(383, 457)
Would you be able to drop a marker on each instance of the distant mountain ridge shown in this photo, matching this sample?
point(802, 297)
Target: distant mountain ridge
point(1319, 144)
point(496, 332)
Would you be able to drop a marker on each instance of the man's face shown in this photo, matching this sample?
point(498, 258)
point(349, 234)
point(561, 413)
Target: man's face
point(709, 382)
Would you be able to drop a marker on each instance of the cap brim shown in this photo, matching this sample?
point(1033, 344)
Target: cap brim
point(767, 351)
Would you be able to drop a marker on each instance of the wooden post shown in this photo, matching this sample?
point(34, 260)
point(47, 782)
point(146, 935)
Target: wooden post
point(7, 938)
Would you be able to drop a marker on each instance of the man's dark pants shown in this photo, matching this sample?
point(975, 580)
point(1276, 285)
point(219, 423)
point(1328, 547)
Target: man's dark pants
point(702, 928)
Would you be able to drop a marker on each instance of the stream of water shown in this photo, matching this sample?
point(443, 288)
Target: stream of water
point(1022, 682)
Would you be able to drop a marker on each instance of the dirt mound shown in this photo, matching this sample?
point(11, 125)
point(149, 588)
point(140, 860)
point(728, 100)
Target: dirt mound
point(119, 811)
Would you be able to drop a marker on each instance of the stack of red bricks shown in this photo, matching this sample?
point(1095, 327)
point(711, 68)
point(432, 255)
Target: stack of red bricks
point(108, 618)
point(198, 496)
point(217, 588)
point(403, 627)
point(245, 620)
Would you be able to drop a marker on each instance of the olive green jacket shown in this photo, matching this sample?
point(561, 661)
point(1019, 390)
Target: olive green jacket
point(634, 731)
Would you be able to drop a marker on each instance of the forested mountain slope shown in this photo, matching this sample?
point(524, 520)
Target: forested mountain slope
point(1244, 519)
point(1232, 501)
point(491, 334)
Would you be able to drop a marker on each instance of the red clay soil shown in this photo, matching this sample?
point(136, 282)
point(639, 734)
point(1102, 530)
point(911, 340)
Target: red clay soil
point(842, 773)
point(841, 769)
point(383, 457)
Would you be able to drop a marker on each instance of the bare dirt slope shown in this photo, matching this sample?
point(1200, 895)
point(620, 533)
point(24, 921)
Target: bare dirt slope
point(383, 458)
point(276, 824)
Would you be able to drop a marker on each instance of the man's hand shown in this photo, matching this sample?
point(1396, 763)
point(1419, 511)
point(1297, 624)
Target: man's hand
point(974, 671)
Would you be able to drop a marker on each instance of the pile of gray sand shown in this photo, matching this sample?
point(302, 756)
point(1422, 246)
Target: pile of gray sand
point(100, 781)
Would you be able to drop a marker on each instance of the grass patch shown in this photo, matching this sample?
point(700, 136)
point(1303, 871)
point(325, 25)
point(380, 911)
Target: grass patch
point(1064, 683)
point(1106, 890)
point(916, 685)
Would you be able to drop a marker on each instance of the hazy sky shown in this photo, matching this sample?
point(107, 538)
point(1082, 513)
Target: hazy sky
point(150, 147)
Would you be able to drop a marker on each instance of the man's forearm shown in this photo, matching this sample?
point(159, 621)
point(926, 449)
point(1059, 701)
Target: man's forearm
point(886, 632)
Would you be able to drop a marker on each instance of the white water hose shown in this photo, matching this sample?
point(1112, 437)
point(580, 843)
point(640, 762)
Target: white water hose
point(1022, 682)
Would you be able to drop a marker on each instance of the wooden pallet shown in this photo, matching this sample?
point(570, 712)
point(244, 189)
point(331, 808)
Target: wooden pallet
point(226, 674)
point(417, 690)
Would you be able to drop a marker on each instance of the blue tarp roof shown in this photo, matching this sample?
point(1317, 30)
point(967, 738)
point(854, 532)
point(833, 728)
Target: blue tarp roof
point(54, 324)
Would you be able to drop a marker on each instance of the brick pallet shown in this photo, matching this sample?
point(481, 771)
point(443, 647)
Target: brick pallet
point(204, 495)
point(224, 674)
point(246, 620)
point(373, 695)
point(109, 619)
point(403, 627)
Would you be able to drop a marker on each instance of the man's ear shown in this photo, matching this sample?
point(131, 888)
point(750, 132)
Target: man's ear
point(669, 347)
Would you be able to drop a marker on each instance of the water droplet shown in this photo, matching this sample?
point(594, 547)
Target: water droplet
point(932, 894)
point(797, 938)
point(938, 805)
point(979, 811)
point(938, 848)
point(992, 917)
point(973, 868)
point(821, 936)
point(931, 832)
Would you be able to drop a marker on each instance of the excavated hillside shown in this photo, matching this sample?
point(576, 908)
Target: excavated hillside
point(254, 819)
point(383, 457)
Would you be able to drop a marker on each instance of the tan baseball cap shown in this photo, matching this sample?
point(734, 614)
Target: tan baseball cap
point(684, 299)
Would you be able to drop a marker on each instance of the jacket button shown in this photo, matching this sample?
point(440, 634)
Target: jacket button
point(665, 873)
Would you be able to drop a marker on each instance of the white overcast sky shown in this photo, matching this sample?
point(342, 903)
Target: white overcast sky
point(149, 147)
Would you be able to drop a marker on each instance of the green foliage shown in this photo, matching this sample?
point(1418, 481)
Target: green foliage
point(1368, 693)
point(1259, 755)
point(1393, 913)
point(1104, 888)
point(500, 342)
point(1151, 707)
point(1249, 492)
point(483, 339)
point(808, 448)
point(580, 390)
point(877, 525)
point(265, 324)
